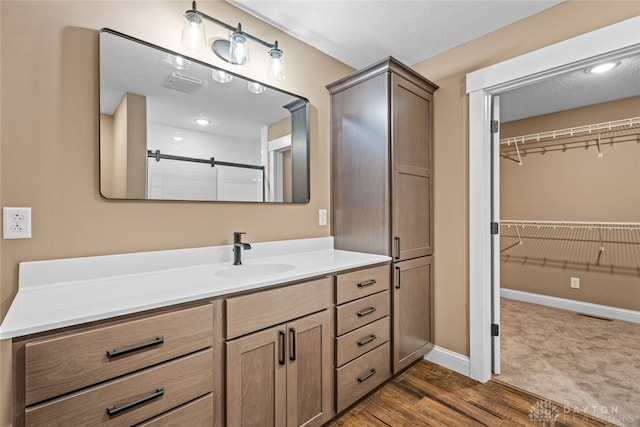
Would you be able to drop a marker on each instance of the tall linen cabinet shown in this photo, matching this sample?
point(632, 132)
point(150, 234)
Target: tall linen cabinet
point(381, 184)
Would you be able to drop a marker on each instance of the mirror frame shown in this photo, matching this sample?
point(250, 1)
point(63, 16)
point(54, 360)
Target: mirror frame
point(300, 111)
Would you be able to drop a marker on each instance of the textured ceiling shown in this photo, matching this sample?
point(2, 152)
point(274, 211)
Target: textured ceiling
point(361, 32)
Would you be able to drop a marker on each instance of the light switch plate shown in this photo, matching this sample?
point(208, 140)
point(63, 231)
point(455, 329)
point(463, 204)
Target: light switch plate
point(322, 217)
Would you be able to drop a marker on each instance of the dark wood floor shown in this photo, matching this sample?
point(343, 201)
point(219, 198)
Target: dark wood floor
point(429, 395)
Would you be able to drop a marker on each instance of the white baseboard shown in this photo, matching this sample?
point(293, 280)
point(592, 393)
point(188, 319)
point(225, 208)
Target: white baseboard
point(449, 359)
point(578, 306)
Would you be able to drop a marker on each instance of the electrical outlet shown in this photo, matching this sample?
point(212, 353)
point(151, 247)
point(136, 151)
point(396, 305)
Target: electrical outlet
point(575, 282)
point(322, 217)
point(16, 223)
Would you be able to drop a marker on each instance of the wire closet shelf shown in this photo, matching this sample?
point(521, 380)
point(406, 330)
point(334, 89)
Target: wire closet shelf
point(592, 135)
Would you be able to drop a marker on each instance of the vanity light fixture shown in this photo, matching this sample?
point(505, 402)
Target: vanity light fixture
point(220, 76)
point(236, 49)
point(255, 87)
point(602, 68)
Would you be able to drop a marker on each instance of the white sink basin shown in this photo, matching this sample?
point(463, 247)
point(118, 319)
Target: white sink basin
point(254, 270)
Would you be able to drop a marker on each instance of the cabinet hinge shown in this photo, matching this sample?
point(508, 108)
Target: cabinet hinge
point(495, 330)
point(494, 227)
point(495, 126)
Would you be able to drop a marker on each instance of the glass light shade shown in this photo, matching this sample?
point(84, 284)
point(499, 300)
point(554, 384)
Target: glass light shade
point(193, 36)
point(238, 49)
point(276, 65)
point(255, 87)
point(220, 76)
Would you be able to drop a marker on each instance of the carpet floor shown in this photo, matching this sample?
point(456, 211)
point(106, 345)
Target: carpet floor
point(588, 364)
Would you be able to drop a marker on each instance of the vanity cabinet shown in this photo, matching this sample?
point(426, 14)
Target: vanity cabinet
point(362, 333)
point(382, 187)
point(279, 355)
point(121, 373)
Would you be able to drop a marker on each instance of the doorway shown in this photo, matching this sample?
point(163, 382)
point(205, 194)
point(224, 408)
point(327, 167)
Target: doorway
point(612, 42)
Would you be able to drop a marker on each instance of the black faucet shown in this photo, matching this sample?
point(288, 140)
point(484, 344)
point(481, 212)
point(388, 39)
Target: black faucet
point(238, 246)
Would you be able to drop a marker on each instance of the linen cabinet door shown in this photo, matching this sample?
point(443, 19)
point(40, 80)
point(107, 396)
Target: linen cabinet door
point(411, 169)
point(309, 370)
point(257, 379)
point(412, 311)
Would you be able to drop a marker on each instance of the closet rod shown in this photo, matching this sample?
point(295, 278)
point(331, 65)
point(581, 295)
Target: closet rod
point(574, 131)
point(572, 224)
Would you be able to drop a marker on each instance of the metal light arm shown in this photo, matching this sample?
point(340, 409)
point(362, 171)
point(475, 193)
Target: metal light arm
point(237, 29)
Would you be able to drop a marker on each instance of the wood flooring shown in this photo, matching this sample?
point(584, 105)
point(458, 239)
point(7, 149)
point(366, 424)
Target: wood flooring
point(427, 394)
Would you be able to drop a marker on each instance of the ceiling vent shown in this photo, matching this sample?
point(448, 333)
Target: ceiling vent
point(182, 83)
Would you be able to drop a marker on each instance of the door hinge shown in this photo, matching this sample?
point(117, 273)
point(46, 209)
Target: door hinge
point(495, 330)
point(495, 126)
point(494, 227)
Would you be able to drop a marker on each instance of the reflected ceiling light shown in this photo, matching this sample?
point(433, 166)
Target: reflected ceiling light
point(221, 76)
point(603, 68)
point(177, 138)
point(255, 87)
point(236, 49)
point(202, 122)
point(178, 62)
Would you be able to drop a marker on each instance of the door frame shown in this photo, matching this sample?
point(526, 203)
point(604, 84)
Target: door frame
point(609, 42)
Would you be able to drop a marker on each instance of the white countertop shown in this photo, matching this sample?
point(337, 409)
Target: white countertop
point(58, 293)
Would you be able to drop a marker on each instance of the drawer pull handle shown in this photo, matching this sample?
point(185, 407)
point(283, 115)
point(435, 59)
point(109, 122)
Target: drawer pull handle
point(293, 349)
point(367, 340)
point(112, 410)
point(281, 338)
point(116, 353)
point(367, 283)
point(367, 376)
point(398, 274)
point(366, 311)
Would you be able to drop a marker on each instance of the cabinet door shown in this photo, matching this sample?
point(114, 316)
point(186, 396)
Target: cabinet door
point(309, 388)
point(412, 186)
point(412, 311)
point(256, 379)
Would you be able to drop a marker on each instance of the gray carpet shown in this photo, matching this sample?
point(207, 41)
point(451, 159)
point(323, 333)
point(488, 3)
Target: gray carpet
point(588, 364)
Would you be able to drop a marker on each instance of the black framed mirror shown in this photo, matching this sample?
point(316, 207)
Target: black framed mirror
point(175, 128)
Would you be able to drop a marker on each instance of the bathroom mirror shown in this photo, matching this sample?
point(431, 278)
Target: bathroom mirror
point(174, 128)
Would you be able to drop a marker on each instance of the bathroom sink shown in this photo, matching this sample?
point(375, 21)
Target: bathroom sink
point(254, 270)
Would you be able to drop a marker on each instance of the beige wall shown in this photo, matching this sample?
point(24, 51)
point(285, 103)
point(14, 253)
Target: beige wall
point(448, 70)
point(575, 185)
point(49, 136)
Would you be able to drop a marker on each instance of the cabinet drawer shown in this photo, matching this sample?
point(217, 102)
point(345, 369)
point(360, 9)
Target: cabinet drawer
point(250, 313)
point(198, 413)
point(361, 283)
point(357, 378)
point(362, 311)
point(358, 342)
point(59, 365)
point(133, 398)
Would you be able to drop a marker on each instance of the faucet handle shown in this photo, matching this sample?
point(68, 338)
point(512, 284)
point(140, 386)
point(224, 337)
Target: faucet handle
point(237, 236)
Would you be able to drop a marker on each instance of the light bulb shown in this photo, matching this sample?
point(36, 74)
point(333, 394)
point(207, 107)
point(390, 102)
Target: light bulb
point(238, 49)
point(276, 64)
point(193, 36)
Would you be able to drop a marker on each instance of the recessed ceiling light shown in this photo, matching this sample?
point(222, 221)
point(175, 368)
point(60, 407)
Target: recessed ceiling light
point(177, 138)
point(602, 68)
point(203, 122)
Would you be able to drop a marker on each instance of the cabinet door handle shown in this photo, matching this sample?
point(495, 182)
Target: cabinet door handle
point(397, 240)
point(367, 340)
point(397, 277)
point(281, 338)
point(367, 376)
point(116, 353)
point(366, 311)
point(112, 410)
point(367, 283)
point(292, 334)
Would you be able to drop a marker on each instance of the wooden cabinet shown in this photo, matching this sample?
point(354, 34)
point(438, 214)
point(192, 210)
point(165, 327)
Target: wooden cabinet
point(412, 308)
point(362, 333)
point(382, 184)
point(281, 375)
point(121, 373)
